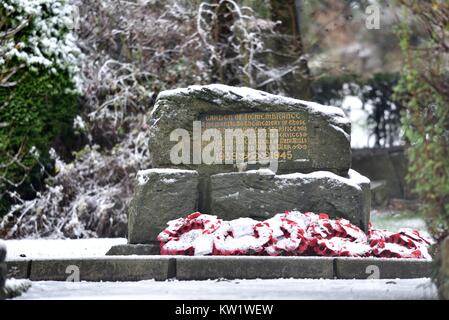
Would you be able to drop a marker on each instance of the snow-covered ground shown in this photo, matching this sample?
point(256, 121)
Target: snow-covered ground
point(360, 132)
point(237, 289)
point(61, 248)
point(396, 222)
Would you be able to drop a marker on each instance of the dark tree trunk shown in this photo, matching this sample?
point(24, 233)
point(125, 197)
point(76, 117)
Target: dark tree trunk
point(288, 48)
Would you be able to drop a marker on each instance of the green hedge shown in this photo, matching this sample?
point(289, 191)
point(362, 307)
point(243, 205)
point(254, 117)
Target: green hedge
point(38, 92)
point(36, 113)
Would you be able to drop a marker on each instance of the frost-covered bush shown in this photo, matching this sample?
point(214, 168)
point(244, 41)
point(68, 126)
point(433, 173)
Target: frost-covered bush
point(35, 35)
point(38, 90)
point(131, 50)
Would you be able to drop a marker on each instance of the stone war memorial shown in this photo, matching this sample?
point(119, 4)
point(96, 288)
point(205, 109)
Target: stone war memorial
point(224, 150)
point(236, 152)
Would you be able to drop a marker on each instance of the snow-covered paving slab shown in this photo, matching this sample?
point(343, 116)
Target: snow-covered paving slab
point(421, 288)
point(60, 248)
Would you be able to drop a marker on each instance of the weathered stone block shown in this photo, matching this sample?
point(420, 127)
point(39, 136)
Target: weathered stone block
point(134, 249)
point(384, 164)
point(249, 267)
point(160, 195)
point(261, 194)
point(382, 268)
point(379, 193)
point(101, 269)
point(327, 129)
point(18, 269)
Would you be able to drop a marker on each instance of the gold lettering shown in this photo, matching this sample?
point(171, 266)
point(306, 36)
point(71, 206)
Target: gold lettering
point(292, 128)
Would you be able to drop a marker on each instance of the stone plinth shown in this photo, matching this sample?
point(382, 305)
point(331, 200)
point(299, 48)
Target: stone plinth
point(160, 195)
point(261, 194)
point(197, 135)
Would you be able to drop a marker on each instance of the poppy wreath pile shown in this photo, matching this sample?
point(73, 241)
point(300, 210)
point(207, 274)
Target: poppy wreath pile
point(287, 234)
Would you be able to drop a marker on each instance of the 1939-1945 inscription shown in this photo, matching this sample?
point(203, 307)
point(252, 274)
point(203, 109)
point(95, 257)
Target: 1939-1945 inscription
point(292, 127)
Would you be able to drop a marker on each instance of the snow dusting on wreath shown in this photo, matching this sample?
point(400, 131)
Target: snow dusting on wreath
point(288, 234)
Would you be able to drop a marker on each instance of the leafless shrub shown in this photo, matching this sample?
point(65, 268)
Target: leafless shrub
point(132, 50)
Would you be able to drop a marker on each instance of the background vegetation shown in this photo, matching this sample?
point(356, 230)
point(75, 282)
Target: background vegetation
point(38, 97)
point(74, 97)
point(425, 91)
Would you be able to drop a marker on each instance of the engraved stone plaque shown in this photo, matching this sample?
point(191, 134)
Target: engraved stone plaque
point(251, 132)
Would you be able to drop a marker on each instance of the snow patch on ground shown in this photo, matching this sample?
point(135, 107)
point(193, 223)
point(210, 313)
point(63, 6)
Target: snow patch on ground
point(68, 248)
point(237, 289)
point(388, 221)
point(360, 133)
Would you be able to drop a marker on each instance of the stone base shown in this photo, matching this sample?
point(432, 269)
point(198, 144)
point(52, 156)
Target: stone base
point(134, 249)
point(260, 194)
point(19, 269)
point(162, 195)
point(228, 267)
point(381, 268)
point(251, 267)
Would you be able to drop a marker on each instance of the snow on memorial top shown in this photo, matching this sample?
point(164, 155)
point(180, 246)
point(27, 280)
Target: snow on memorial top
point(309, 136)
